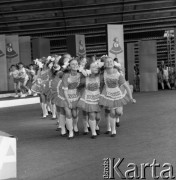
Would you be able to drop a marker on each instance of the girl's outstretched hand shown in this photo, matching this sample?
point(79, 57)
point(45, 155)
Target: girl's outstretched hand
point(133, 100)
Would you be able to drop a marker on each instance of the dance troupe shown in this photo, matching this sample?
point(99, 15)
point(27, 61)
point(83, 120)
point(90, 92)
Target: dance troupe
point(69, 85)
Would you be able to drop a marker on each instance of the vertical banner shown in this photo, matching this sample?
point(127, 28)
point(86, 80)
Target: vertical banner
point(115, 42)
point(3, 65)
point(148, 66)
point(80, 45)
point(12, 55)
point(76, 45)
point(25, 49)
point(130, 62)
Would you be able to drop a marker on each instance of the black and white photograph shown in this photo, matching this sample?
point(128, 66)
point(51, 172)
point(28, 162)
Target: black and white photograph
point(87, 89)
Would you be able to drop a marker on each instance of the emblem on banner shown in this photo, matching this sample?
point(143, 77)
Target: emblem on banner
point(81, 51)
point(1, 54)
point(116, 48)
point(10, 53)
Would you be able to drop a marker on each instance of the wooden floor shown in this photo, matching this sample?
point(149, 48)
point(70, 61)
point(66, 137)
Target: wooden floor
point(147, 132)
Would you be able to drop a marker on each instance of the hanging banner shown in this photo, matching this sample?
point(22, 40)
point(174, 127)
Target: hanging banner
point(12, 55)
point(76, 45)
point(25, 49)
point(3, 65)
point(115, 40)
point(80, 45)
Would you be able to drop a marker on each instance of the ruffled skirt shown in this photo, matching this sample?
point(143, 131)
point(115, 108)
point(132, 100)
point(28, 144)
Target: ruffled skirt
point(109, 102)
point(87, 105)
point(37, 88)
point(61, 101)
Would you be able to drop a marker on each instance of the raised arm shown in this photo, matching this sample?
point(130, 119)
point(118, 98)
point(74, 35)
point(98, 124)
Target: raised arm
point(122, 82)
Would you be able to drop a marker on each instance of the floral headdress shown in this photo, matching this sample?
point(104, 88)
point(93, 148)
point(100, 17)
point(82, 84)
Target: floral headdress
point(85, 72)
point(39, 63)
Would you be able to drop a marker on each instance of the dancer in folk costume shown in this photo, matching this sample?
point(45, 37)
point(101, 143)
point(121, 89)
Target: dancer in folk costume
point(54, 88)
point(112, 97)
point(47, 90)
point(63, 63)
point(119, 68)
point(82, 65)
point(23, 78)
point(90, 98)
point(43, 76)
point(14, 73)
point(68, 94)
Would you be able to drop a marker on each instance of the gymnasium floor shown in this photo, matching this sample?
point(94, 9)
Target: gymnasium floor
point(147, 132)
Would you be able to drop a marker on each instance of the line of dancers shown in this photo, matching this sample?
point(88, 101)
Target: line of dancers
point(22, 79)
point(69, 85)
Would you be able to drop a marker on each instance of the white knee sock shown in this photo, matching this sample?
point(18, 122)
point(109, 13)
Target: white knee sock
point(48, 107)
point(69, 124)
point(113, 125)
point(62, 124)
point(75, 124)
point(44, 109)
point(97, 124)
point(57, 115)
point(87, 121)
point(53, 110)
point(93, 127)
point(108, 124)
point(85, 125)
point(117, 120)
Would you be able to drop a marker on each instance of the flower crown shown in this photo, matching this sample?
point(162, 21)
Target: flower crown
point(85, 72)
point(66, 64)
point(39, 63)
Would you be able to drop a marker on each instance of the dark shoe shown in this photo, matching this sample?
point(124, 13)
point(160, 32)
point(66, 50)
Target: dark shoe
point(49, 112)
point(85, 133)
point(76, 133)
point(107, 132)
point(93, 136)
point(64, 135)
point(98, 132)
point(117, 124)
point(58, 129)
point(69, 138)
point(113, 135)
point(53, 118)
point(67, 130)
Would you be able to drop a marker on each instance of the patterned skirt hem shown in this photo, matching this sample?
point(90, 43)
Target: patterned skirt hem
point(113, 103)
point(63, 103)
point(88, 107)
point(38, 91)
